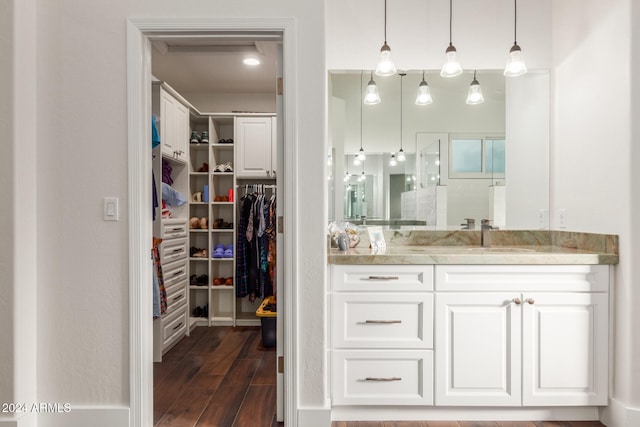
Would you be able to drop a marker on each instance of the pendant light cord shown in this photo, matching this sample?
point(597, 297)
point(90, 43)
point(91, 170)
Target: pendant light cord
point(515, 21)
point(450, 21)
point(401, 77)
point(361, 74)
point(385, 21)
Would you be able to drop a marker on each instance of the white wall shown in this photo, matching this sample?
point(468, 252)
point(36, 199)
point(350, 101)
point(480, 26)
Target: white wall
point(229, 102)
point(594, 157)
point(82, 156)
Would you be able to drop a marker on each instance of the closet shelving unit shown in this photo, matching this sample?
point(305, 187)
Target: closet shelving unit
point(223, 308)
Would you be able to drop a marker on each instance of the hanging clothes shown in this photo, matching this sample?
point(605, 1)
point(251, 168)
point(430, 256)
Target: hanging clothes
point(162, 292)
point(255, 257)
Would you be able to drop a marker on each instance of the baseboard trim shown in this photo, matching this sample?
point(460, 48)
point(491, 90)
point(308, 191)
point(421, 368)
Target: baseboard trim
point(316, 417)
point(86, 416)
point(26, 420)
point(399, 413)
point(619, 415)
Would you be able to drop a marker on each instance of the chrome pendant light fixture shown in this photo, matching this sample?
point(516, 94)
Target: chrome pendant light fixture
point(474, 96)
point(385, 65)
point(451, 67)
point(424, 94)
point(515, 63)
point(372, 97)
point(401, 157)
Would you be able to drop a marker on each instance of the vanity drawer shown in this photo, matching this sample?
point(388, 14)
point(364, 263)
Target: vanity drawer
point(173, 250)
point(174, 273)
point(383, 278)
point(174, 325)
point(382, 321)
point(173, 228)
point(561, 278)
point(374, 377)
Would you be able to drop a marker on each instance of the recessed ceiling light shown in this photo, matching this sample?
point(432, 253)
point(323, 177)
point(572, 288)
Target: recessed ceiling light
point(251, 61)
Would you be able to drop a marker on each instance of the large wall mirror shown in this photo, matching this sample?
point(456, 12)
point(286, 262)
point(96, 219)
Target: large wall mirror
point(482, 161)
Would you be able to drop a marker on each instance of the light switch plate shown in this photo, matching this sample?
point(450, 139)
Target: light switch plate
point(543, 218)
point(110, 209)
point(562, 218)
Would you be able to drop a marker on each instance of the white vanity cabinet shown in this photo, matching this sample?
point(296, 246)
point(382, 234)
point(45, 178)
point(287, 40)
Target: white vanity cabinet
point(255, 145)
point(521, 335)
point(381, 335)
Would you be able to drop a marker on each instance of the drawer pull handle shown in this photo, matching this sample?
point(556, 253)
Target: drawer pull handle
point(382, 321)
point(176, 229)
point(382, 278)
point(175, 251)
point(177, 326)
point(177, 273)
point(177, 298)
point(383, 379)
point(518, 301)
point(531, 301)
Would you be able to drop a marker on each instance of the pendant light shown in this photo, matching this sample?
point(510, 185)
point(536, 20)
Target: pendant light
point(451, 67)
point(424, 94)
point(385, 65)
point(393, 161)
point(356, 160)
point(360, 154)
point(401, 157)
point(474, 96)
point(515, 63)
point(372, 96)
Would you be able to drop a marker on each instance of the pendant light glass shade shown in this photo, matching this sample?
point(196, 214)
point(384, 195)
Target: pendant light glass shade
point(356, 160)
point(424, 94)
point(372, 96)
point(401, 157)
point(515, 63)
point(393, 161)
point(361, 156)
point(385, 65)
point(474, 96)
point(451, 67)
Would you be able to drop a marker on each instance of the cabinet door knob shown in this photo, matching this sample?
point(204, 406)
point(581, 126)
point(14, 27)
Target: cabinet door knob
point(531, 301)
point(518, 301)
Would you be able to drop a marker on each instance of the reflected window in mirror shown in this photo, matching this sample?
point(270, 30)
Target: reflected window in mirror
point(477, 157)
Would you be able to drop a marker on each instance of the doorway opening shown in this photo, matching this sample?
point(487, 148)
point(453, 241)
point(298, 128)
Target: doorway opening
point(141, 35)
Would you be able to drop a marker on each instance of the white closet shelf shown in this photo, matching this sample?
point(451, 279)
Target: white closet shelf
point(221, 173)
point(222, 203)
point(222, 230)
point(222, 146)
point(222, 288)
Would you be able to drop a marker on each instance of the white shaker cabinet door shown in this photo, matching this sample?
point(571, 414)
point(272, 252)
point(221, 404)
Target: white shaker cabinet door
point(478, 349)
point(565, 349)
point(253, 142)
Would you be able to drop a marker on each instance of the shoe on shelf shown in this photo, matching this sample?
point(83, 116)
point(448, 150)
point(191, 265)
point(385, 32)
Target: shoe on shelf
point(226, 167)
point(203, 168)
point(195, 138)
point(193, 280)
point(228, 253)
point(218, 252)
point(202, 280)
point(218, 223)
point(205, 137)
point(197, 312)
point(228, 281)
point(217, 281)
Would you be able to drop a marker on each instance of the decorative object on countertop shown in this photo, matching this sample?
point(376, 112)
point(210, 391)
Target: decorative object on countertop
point(350, 232)
point(376, 238)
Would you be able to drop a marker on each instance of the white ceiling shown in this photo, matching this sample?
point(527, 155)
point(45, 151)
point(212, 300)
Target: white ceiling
point(214, 64)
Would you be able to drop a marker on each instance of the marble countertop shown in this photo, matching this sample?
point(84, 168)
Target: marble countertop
point(470, 254)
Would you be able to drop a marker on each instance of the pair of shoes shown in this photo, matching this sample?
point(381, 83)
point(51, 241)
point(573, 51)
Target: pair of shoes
point(204, 167)
point(223, 281)
point(195, 222)
point(221, 252)
point(223, 167)
point(205, 137)
point(197, 138)
point(201, 311)
point(221, 199)
point(220, 223)
point(197, 252)
point(225, 141)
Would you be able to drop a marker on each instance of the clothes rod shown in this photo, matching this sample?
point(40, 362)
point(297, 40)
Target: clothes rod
point(261, 185)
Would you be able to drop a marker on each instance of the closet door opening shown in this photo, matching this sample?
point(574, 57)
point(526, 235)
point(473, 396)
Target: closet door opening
point(219, 259)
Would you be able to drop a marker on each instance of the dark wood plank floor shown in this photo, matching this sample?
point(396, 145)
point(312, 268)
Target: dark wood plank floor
point(224, 377)
point(219, 376)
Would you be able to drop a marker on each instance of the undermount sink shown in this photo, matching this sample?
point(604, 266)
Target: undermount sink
point(499, 249)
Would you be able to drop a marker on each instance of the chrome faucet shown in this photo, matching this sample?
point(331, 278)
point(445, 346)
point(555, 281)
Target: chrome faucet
point(364, 219)
point(485, 236)
point(470, 225)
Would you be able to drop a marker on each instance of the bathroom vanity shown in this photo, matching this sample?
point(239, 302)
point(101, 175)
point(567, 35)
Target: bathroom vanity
point(438, 327)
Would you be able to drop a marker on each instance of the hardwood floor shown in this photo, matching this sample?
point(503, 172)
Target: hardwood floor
point(219, 376)
point(224, 377)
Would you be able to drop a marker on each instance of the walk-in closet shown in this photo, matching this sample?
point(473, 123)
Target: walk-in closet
point(214, 104)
